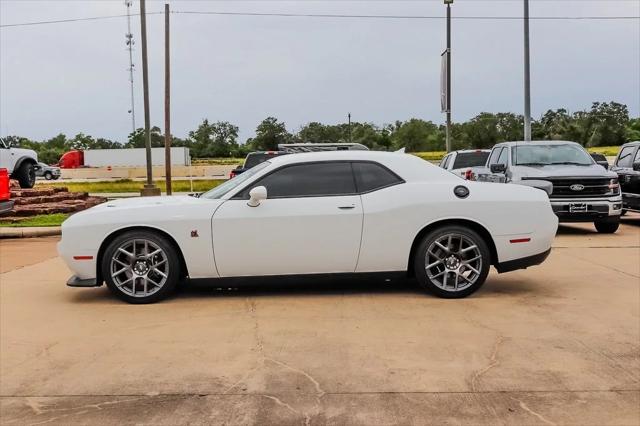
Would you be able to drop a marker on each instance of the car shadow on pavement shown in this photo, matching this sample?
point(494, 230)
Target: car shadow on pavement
point(311, 287)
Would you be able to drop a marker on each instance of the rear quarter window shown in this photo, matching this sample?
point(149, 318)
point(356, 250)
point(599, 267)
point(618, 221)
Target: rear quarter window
point(373, 176)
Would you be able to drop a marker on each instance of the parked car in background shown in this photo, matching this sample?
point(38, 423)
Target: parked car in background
point(627, 166)
point(465, 162)
point(582, 190)
point(340, 212)
point(21, 164)
point(600, 159)
point(48, 172)
point(253, 159)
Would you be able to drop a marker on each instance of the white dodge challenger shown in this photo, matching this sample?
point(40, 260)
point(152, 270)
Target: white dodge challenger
point(339, 212)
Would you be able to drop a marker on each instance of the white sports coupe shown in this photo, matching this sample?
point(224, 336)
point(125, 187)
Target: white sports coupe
point(340, 212)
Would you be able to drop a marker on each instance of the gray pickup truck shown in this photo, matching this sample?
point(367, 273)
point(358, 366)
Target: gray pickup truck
point(582, 190)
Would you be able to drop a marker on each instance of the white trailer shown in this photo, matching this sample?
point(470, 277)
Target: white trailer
point(134, 157)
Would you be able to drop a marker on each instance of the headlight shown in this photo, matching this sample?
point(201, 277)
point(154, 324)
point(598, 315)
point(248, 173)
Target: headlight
point(614, 187)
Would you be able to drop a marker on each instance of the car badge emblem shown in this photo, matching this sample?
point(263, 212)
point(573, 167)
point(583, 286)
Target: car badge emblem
point(194, 233)
point(576, 187)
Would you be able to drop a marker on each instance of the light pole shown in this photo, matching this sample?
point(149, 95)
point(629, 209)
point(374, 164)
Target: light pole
point(527, 76)
point(149, 188)
point(349, 117)
point(448, 78)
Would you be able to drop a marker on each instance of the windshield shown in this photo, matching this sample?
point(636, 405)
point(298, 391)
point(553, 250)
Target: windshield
point(470, 159)
point(545, 155)
point(222, 189)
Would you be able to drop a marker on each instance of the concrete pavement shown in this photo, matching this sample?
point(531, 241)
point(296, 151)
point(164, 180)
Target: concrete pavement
point(554, 344)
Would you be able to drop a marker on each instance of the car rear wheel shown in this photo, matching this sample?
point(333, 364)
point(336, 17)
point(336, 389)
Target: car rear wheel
point(607, 226)
point(452, 262)
point(26, 175)
point(141, 267)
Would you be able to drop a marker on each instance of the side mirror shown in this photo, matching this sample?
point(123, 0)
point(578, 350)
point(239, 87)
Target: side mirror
point(256, 195)
point(498, 168)
point(636, 166)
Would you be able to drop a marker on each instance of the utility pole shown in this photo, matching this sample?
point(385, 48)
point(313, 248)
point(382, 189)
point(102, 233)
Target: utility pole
point(349, 117)
point(167, 102)
point(527, 76)
point(149, 188)
point(448, 137)
point(130, 43)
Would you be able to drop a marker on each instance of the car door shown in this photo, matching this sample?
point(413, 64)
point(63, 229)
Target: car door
point(311, 222)
point(494, 158)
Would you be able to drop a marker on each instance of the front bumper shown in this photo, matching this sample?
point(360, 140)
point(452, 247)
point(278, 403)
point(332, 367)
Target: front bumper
point(631, 201)
point(522, 263)
point(596, 208)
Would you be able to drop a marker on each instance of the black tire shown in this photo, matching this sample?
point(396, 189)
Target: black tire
point(48, 175)
point(431, 285)
point(173, 271)
point(25, 175)
point(607, 226)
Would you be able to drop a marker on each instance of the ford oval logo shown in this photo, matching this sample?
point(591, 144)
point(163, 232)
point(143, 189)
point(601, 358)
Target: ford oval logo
point(576, 187)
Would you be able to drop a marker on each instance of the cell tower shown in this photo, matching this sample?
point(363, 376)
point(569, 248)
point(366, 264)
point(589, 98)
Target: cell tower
point(130, 42)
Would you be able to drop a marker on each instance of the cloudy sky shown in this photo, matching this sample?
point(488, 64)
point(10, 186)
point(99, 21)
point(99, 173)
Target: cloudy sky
point(71, 77)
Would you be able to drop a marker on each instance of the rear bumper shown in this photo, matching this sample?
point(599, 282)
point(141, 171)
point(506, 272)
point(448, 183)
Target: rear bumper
point(74, 281)
point(523, 262)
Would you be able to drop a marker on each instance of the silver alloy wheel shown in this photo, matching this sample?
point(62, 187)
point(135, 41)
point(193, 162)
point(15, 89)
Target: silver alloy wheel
point(139, 267)
point(453, 262)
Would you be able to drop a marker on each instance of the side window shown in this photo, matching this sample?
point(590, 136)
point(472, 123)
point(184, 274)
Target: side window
point(372, 176)
point(504, 157)
point(445, 161)
point(637, 158)
point(307, 180)
point(493, 159)
point(624, 159)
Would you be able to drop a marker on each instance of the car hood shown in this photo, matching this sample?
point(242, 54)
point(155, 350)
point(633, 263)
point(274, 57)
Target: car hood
point(138, 202)
point(563, 170)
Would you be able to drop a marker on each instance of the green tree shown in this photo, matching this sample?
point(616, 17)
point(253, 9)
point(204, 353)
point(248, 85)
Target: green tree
point(137, 140)
point(417, 135)
point(633, 130)
point(214, 140)
point(269, 133)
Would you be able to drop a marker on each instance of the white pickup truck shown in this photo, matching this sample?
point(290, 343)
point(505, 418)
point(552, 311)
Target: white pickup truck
point(20, 163)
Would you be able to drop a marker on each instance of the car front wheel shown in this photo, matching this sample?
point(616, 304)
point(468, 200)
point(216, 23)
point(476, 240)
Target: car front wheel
point(141, 267)
point(607, 226)
point(452, 262)
point(48, 175)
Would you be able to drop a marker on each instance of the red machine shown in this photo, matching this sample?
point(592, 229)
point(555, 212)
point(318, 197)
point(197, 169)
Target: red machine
point(71, 160)
point(5, 192)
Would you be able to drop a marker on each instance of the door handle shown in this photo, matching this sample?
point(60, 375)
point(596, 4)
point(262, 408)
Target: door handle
point(347, 207)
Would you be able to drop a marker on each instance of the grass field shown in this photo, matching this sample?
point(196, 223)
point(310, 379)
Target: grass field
point(55, 219)
point(126, 185)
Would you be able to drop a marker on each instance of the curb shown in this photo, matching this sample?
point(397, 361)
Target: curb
point(28, 232)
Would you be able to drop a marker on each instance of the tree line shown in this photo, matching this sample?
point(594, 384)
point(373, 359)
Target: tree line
point(604, 124)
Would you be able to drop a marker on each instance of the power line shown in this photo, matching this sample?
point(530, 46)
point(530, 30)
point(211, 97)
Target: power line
point(324, 15)
point(336, 16)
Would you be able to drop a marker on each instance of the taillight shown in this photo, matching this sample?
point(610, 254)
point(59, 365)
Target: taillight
point(468, 175)
point(232, 174)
